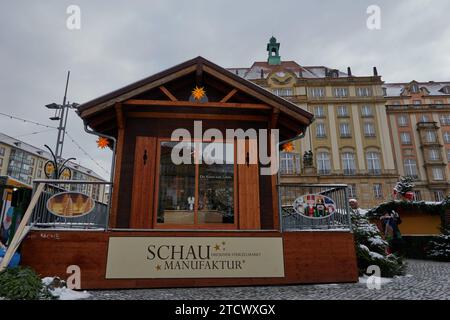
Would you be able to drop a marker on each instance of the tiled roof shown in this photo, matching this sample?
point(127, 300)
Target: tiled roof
point(396, 89)
point(311, 72)
point(15, 143)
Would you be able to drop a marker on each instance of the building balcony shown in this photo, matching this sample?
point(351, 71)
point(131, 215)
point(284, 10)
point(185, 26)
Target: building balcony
point(427, 125)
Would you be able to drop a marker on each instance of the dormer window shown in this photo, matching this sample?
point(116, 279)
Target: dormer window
point(445, 90)
point(414, 88)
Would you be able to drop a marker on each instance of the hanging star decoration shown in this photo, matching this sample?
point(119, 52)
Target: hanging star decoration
point(198, 93)
point(288, 147)
point(102, 143)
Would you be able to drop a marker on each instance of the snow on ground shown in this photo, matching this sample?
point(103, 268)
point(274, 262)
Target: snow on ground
point(65, 293)
point(374, 279)
point(68, 294)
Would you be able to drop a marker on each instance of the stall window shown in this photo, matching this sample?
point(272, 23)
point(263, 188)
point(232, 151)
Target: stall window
point(193, 193)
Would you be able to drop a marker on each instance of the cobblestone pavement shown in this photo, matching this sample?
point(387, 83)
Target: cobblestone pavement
point(424, 280)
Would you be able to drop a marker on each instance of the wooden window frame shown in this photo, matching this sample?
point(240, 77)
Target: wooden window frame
point(195, 225)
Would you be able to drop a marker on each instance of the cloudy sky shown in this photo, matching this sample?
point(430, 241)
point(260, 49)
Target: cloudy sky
point(122, 41)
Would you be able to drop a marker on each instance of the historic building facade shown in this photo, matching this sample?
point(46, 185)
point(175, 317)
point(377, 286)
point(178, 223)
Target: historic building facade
point(349, 139)
point(419, 121)
point(24, 162)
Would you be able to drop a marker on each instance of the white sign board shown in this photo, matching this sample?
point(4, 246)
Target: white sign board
point(194, 257)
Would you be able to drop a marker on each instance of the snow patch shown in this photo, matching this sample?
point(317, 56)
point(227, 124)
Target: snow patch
point(69, 294)
point(374, 279)
point(64, 293)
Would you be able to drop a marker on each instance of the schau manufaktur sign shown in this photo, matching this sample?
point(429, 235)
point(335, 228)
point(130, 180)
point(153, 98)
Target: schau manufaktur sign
point(194, 257)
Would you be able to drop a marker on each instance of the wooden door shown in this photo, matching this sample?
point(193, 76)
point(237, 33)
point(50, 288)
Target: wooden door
point(142, 197)
point(248, 190)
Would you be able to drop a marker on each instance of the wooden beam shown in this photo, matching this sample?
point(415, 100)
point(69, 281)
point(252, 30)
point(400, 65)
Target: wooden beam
point(199, 74)
point(119, 115)
point(229, 95)
point(138, 102)
point(199, 116)
point(168, 93)
point(137, 91)
point(274, 118)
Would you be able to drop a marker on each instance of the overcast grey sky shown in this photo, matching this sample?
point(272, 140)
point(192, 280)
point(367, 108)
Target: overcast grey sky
point(122, 41)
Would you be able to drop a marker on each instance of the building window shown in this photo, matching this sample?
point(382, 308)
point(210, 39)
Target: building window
point(430, 136)
point(417, 195)
point(377, 191)
point(317, 92)
point(445, 119)
point(369, 129)
point(1, 162)
point(342, 111)
point(438, 174)
point(213, 184)
point(366, 111)
point(348, 163)
point(448, 155)
point(417, 102)
point(319, 112)
point(373, 162)
point(410, 167)
point(323, 163)
point(363, 91)
point(414, 88)
point(439, 195)
point(446, 136)
point(283, 92)
point(402, 121)
point(2, 151)
point(340, 92)
point(344, 129)
point(351, 188)
point(405, 138)
point(289, 163)
point(424, 118)
point(434, 154)
point(320, 130)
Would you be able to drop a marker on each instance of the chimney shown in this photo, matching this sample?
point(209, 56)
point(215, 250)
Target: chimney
point(375, 71)
point(349, 71)
point(262, 74)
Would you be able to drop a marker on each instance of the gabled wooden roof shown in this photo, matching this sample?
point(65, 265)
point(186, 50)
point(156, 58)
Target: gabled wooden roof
point(104, 106)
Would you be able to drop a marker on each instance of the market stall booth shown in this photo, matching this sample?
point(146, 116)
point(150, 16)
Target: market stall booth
point(195, 199)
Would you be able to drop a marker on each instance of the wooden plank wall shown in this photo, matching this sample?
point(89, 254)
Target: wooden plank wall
point(143, 183)
point(309, 257)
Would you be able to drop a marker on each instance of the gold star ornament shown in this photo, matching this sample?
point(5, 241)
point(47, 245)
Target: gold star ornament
point(198, 93)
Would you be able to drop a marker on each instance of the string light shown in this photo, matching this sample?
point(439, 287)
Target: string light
point(52, 128)
point(27, 121)
point(31, 133)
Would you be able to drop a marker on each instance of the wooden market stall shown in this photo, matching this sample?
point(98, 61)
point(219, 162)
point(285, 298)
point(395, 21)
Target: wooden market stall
point(194, 223)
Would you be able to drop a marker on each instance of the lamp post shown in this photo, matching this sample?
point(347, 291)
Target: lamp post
point(63, 110)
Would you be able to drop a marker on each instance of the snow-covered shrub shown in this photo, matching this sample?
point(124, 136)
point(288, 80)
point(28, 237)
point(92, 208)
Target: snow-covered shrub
point(371, 248)
point(22, 283)
point(439, 248)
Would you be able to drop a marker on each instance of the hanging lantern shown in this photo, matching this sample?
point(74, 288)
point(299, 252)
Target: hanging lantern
point(102, 143)
point(198, 93)
point(288, 147)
